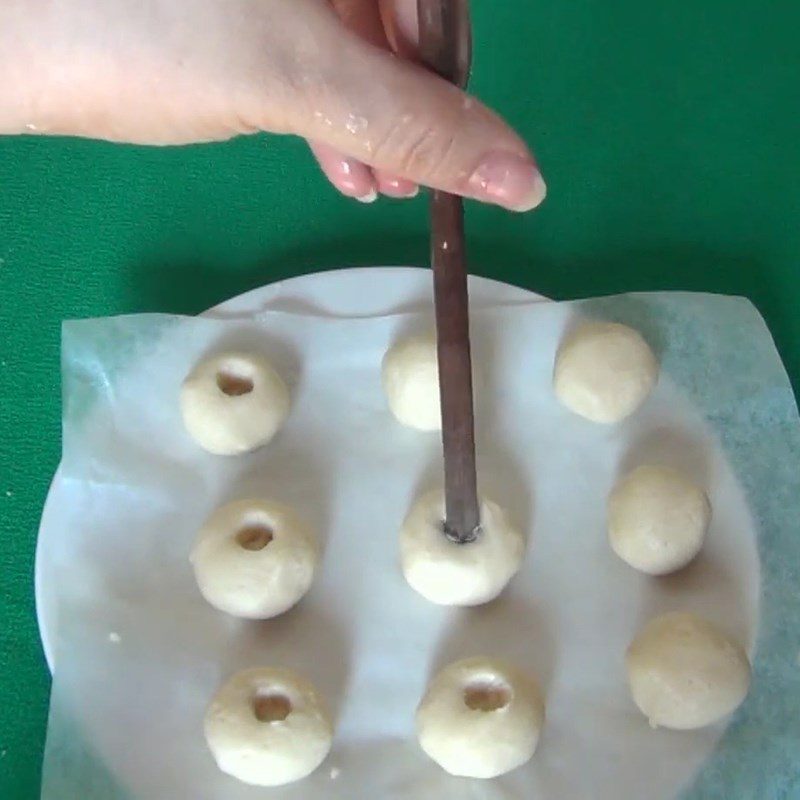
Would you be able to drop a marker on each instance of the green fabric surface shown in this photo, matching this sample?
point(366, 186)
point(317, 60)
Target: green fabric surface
point(669, 140)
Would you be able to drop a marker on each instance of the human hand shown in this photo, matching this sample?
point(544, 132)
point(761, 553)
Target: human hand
point(339, 73)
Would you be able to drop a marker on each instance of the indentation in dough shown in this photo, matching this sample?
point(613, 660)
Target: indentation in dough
point(487, 694)
point(269, 706)
point(254, 537)
point(233, 384)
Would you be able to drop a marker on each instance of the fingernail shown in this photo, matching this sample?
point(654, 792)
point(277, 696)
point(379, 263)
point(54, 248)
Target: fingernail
point(509, 181)
point(370, 197)
point(352, 178)
point(397, 187)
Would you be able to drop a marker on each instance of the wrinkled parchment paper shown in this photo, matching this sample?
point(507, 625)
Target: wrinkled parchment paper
point(139, 653)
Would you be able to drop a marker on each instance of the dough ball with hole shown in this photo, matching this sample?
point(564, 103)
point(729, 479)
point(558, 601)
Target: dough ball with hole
point(268, 727)
point(684, 673)
point(480, 718)
point(657, 519)
point(604, 371)
point(233, 403)
point(411, 382)
point(454, 574)
point(254, 558)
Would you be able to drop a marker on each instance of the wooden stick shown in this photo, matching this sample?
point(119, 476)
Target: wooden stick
point(445, 46)
point(462, 522)
point(445, 38)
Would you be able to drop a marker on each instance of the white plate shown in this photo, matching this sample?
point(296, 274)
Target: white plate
point(569, 622)
point(365, 292)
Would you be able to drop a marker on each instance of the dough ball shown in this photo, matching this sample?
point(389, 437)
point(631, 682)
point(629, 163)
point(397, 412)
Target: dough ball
point(685, 673)
point(453, 574)
point(411, 382)
point(233, 403)
point(480, 718)
point(254, 559)
point(268, 727)
point(657, 519)
point(604, 371)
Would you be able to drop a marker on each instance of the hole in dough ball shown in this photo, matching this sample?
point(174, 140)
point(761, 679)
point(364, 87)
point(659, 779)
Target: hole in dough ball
point(480, 717)
point(452, 574)
point(254, 537)
point(487, 694)
point(268, 727)
point(451, 534)
point(271, 706)
point(233, 384)
point(254, 558)
point(233, 403)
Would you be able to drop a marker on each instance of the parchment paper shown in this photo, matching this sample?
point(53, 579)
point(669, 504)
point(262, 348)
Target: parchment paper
point(140, 653)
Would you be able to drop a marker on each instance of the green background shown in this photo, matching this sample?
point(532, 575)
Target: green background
point(670, 140)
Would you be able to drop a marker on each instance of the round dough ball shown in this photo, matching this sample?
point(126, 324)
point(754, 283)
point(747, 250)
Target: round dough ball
point(604, 371)
point(454, 574)
point(480, 718)
point(657, 519)
point(684, 673)
point(254, 559)
point(268, 727)
point(411, 382)
point(233, 403)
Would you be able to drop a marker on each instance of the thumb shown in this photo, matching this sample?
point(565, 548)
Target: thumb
point(399, 118)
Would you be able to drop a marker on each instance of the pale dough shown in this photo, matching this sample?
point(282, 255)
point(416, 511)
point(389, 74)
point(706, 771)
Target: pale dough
point(480, 718)
point(657, 519)
point(233, 403)
point(254, 558)
point(604, 371)
point(684, 673)
point(268, 727)
point(458, 574)
point(411, 382)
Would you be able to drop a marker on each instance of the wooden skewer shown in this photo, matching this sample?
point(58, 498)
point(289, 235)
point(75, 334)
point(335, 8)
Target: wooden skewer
point(445, 45)
point(462, 521)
